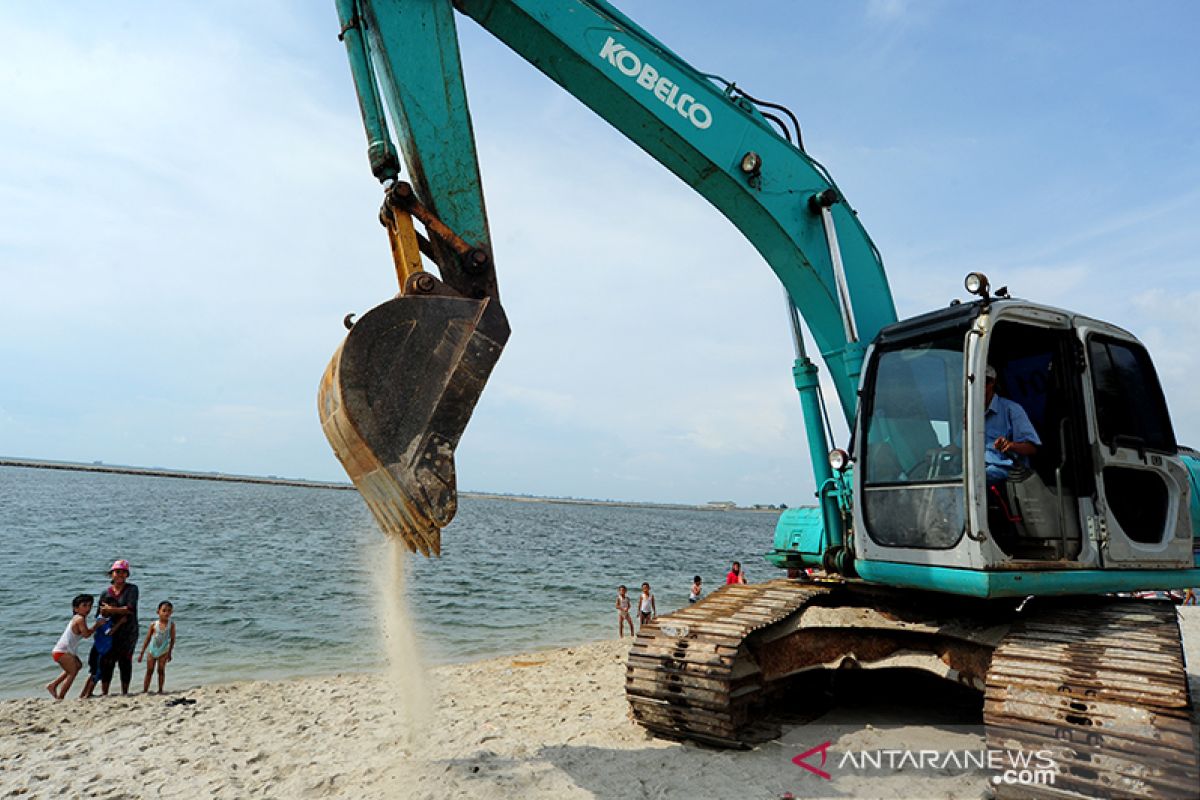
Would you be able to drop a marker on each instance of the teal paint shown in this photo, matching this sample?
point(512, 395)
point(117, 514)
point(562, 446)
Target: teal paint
point(803, 535)
point(838, 493)
point(385, 162)
point(799, 532)
point(804, 374)
point(1193, 467)
point(852, 361)
point(977, 583)
point(414, 47)
point(639, 86)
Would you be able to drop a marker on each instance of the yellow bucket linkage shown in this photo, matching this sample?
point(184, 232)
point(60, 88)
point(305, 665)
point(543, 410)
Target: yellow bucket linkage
point(399, 391)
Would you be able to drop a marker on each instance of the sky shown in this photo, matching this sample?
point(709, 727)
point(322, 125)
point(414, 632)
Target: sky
point(187, 213)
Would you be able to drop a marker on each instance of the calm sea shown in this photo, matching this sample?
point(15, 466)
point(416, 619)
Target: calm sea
point(276, 581)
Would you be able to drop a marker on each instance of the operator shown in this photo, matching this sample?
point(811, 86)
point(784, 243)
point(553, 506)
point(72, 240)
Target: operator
point(1009, 437)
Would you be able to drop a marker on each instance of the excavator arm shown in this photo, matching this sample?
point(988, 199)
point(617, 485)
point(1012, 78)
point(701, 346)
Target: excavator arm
point(398, 394)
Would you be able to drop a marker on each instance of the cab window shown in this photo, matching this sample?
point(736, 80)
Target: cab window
point(912, 459)
point(1130, 408)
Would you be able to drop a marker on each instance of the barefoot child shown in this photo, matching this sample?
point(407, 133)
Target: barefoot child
point(697, 590)
point(646, 608)
point(161, 641)
point(623, 612)
point(66, 651)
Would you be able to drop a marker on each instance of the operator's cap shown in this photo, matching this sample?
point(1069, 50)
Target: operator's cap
point(990, 372)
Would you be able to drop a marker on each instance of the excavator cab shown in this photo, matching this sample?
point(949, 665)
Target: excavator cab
point(1107, 488)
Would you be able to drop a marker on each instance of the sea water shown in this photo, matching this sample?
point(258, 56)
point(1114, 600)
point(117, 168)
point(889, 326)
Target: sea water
point(277, 581)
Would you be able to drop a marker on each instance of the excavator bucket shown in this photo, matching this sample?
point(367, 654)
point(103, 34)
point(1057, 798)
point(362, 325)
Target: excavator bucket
point(396, 397)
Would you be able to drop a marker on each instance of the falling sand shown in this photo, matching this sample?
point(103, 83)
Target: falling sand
point(407, 693)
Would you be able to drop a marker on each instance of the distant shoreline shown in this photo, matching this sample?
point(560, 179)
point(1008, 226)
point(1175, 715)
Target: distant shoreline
point(170, 473)
point(572, 501)
point(154, 472)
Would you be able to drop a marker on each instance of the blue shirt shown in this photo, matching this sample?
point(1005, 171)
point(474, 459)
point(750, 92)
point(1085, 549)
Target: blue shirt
point(1004, 418)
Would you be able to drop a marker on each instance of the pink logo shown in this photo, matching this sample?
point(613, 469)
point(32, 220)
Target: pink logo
point(801, 760)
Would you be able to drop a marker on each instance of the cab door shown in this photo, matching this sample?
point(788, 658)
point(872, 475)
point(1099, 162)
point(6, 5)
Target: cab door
point(1141, 516)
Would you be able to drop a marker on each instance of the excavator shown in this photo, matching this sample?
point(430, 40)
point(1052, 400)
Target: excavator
point(913, 554)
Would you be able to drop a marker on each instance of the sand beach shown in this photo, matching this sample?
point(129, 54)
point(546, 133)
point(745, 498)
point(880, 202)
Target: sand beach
point(551, 724)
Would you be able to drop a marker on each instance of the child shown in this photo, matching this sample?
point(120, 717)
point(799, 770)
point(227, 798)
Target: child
point(623, 612)
point(161, 641)
point(735, 574)
point(66, 651)
point(646, 608)
point(696, 590)
point(101, 645)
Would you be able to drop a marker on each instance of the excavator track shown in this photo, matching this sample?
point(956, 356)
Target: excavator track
point(1089, 694)
point(689, 674)
point(1103, 688)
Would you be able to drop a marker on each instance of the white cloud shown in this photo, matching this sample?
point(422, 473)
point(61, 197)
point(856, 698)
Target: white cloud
point(560, 407)
point(886, 9)
point(738, 422)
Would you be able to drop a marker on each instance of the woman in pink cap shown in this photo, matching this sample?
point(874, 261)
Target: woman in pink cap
point(121, 597)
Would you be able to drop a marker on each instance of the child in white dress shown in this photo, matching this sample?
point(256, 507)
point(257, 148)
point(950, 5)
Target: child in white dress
point(646, 608)
point(66, 650)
